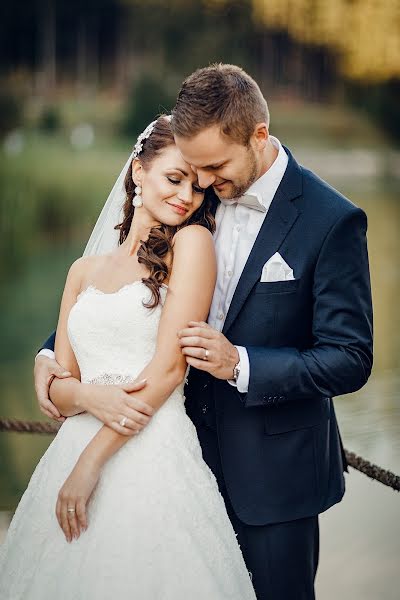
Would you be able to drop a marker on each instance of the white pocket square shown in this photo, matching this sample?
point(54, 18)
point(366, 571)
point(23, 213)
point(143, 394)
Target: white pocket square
point(276, 269)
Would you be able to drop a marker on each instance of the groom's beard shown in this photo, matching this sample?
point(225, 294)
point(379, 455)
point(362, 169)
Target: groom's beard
point(237, 188)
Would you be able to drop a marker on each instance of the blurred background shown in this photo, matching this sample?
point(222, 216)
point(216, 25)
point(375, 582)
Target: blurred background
point(80, 79)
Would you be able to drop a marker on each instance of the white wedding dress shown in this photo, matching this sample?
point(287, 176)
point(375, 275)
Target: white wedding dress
point(158, 528)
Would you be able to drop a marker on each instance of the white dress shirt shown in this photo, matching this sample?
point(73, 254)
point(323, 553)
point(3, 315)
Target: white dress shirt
point(237, 228)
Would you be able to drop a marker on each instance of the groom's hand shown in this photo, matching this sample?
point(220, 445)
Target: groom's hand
point(44, 372)
point(208, 350)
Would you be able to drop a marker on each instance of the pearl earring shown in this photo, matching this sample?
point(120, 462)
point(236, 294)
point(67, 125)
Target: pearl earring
point(137, 200)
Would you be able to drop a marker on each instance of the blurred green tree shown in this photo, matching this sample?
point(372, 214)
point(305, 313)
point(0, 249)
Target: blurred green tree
point(11, 111)
point(50, 119)
point(147, 99)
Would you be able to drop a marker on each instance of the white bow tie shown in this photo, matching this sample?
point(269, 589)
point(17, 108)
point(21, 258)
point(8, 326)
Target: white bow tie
point(249, 200)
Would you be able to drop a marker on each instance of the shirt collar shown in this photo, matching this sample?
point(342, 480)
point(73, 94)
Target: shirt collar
point(264, 188)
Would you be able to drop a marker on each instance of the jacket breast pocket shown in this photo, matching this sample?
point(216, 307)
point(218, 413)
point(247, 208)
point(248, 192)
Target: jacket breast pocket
point(277, 287)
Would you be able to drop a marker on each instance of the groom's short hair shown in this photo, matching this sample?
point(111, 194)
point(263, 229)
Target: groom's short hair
point(223, 95)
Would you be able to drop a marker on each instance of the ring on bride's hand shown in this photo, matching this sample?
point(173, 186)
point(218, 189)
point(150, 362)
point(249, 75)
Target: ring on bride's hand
point(70, 510)
point(206, 353)
point(123, 421)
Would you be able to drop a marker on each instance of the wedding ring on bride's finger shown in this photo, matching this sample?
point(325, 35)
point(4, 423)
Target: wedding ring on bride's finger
point(71, 510)
point(206, 354)
point(123, 421)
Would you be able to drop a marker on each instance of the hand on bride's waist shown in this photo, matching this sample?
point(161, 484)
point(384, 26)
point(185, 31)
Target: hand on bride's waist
point(116, 407)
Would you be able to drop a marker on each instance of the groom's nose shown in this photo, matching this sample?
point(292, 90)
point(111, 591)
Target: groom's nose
point(205, 178)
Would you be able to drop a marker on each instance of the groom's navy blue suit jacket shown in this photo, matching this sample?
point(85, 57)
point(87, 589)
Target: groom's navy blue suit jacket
point(308, 339)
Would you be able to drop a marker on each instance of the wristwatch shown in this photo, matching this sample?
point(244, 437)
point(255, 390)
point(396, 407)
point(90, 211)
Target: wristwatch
point(236, 371)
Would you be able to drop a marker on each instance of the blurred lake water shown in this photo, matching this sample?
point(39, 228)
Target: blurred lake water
point(360, 537)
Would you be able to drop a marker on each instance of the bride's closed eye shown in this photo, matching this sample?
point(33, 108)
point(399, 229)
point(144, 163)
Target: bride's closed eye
point(196, 188)
point(174, 181)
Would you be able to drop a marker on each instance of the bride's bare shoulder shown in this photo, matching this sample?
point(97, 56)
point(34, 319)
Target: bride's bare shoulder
point(194, 252)
point(81, 269)
point(85, 263)
point(193, 234)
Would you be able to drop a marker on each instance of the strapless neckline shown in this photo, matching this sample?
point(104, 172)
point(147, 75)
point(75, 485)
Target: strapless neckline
point(96, 290)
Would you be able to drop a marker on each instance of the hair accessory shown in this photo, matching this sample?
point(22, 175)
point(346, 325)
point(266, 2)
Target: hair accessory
point(146, 134)
point(143, 136)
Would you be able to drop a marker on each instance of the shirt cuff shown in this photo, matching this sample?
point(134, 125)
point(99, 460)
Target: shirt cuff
point(242, 382)
point(46, 352)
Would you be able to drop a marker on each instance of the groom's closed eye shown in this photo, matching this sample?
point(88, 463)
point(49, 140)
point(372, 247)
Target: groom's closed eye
point(198, 189)
point(215, 167)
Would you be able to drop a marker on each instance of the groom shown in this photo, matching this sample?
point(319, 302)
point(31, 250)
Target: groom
point(290, 327)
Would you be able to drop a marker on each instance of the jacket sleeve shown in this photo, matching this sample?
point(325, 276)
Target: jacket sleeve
point(49, 343)
point(340, 358)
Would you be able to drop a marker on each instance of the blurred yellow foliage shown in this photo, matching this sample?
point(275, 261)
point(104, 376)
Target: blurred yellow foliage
point(364, 33)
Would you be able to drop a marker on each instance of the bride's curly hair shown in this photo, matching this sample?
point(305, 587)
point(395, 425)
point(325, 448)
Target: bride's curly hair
point(154, 251)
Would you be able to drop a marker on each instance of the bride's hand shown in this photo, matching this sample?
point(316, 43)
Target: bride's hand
point(112, 403)
point(75, 494)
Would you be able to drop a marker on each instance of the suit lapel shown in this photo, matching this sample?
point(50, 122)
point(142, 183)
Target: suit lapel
point(279, 220)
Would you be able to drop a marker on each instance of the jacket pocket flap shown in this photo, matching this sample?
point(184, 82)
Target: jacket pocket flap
point(296, 415)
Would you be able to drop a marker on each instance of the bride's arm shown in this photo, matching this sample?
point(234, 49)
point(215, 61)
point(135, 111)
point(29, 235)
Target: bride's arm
point(189, 296)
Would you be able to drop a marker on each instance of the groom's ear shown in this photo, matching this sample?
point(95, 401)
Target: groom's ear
point(260, 135)
point(136, 171)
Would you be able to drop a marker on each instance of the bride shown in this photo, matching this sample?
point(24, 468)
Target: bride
point(130, 516)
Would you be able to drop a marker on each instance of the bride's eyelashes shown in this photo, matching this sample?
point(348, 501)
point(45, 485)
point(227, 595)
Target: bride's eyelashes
point(196, 188)
point(174, 181)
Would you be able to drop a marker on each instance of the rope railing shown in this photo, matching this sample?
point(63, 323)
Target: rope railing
point(356, 462)
point(28, 426)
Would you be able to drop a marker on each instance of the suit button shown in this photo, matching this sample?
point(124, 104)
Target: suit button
point(204, 410)
point(281, 397)
point(270, 398)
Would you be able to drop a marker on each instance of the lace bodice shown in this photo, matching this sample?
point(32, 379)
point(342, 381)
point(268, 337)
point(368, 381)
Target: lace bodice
point(112, 334)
